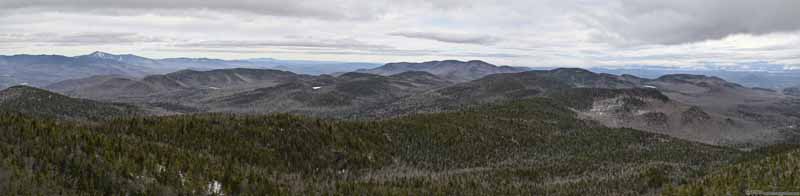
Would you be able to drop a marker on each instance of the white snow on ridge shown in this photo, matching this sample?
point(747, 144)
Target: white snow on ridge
point(316, 88)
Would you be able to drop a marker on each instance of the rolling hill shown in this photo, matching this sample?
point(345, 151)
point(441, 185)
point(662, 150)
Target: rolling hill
point(40, 70)
point(693, 107)
point(776, 173)
point(527, 147)
point(343, 96)
point(253, 90)
point(456, 71)
point(41, 103)
point(792, 91)
point(43, 70)
point(548, 132)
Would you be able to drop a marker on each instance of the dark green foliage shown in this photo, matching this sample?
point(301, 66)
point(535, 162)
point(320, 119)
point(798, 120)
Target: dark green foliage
point(174, 107)
point(527, 147)
point(332, 98)
point(366, 86)
point(40, 103)
point(779, 172)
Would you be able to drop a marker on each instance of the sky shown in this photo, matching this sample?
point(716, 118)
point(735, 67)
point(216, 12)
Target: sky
point(574, 33)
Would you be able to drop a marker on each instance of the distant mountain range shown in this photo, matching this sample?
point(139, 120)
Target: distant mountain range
point(447, 124)
point(793, 91)
point(264, 91)
point(528, 141)
point(768, 77)
point(698, 107)
point(42, 70)
point(253, 90)
point(457, 71)
point(695, 107)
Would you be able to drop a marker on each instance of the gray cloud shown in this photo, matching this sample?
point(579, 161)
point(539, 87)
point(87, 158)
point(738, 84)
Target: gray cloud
point(89, 38)
point(308, 43)
point(320, 9)
point(382, 52)
point(449, 37)
point(379, 52)
point(519, 32)
point(686, 21)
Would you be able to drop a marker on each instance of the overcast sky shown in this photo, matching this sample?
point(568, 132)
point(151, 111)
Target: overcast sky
point(578, 33)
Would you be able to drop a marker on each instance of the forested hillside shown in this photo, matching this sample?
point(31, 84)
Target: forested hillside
point(777, 173)
point(525, 147)
point(41, 103)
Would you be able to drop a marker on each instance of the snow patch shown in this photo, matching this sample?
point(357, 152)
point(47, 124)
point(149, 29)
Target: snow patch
point(213, 88)
point(316, 88)
point(182, 178)
point(214, 188)
point(648, 86)
point(160, 168)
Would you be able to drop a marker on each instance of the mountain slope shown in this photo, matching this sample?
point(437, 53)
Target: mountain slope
point(457, 71)
point(650, 110)
point(41, 103)
point(43, 70)
point(698, 108)
point(792, 91)
point(343, 96)
point(775, 173)
point(183, 89)
point(40, 70)
point(750, 76)
point(529, 147)
point(502, 87)
point(254, 90)
point(771, 109)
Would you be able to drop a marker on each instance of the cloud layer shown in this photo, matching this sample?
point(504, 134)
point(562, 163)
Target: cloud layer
point(515, 32)
point(686, 21)
point(449, 37)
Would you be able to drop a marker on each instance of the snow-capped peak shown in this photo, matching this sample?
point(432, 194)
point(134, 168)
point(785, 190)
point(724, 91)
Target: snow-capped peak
point(103, 55)
point(100, 54)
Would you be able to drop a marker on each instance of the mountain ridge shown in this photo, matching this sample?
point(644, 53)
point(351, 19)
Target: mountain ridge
point(454, 70)
point(739, 114)
point(43, 70)
point(42, 103)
